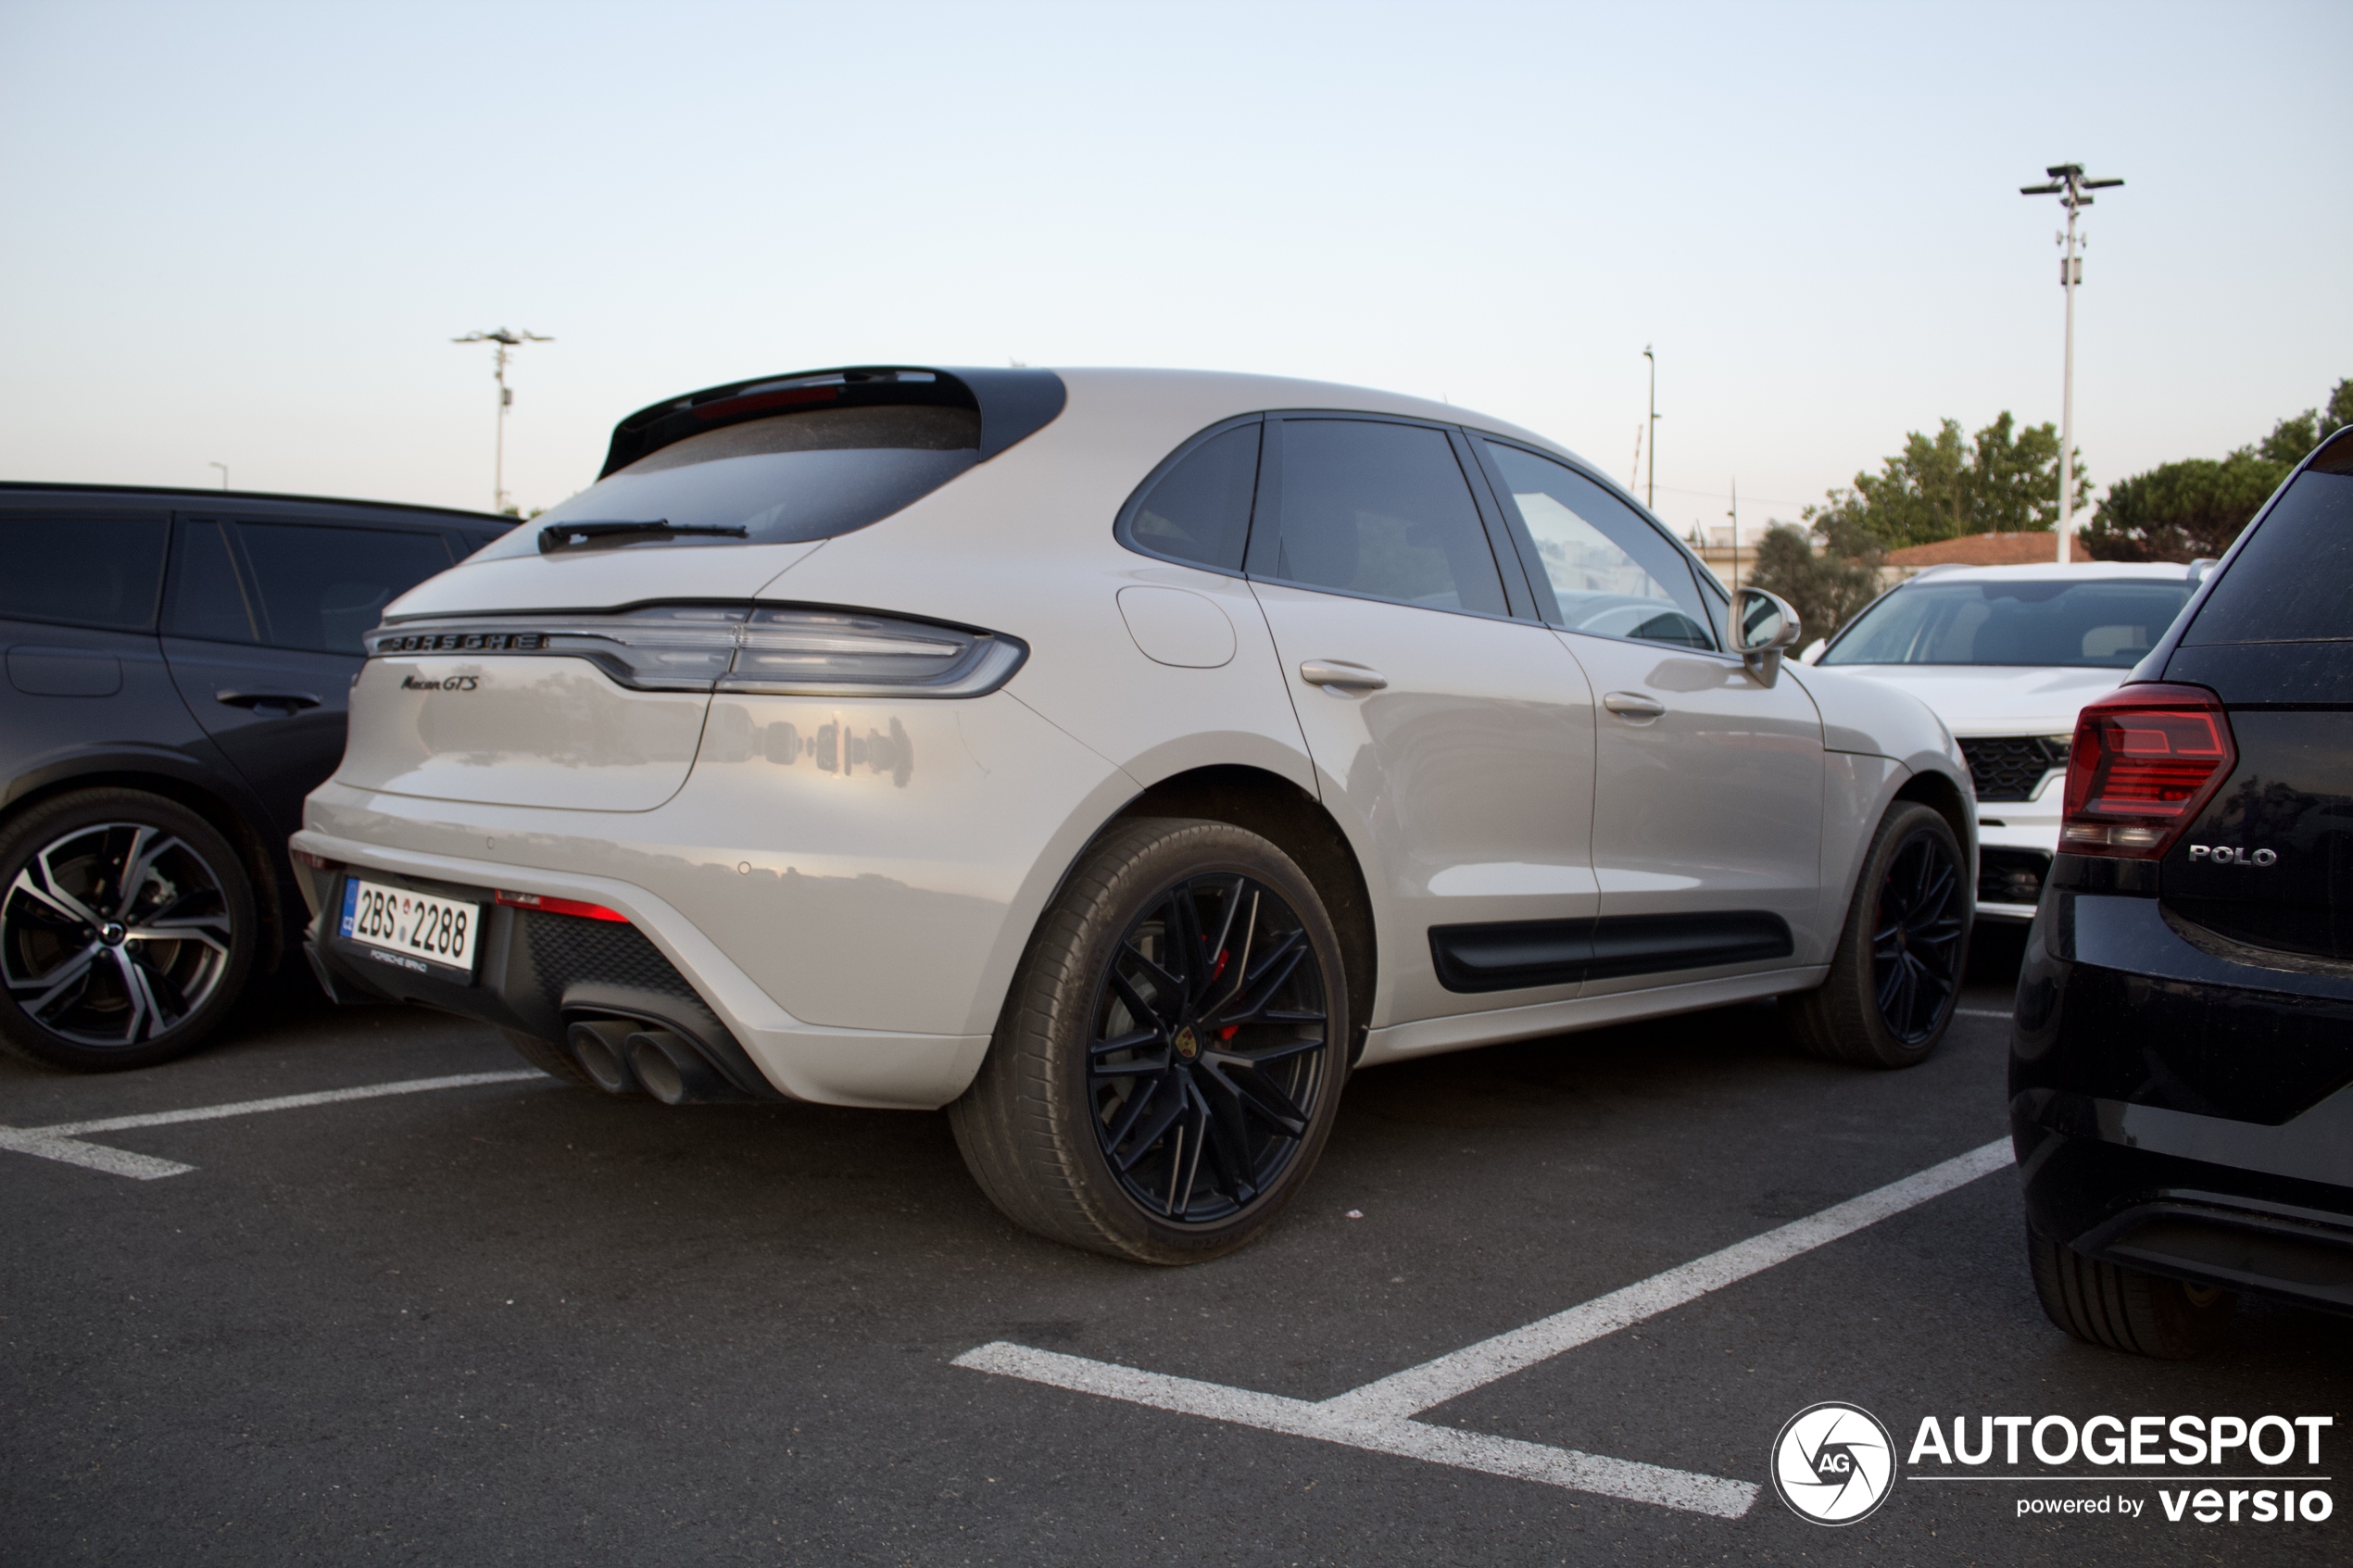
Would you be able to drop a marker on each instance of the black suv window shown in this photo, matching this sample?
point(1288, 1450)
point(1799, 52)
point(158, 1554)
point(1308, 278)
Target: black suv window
point(320, 588)
point(1606, 572)
point(209, 597)
point(1199, 509)
point(2293, 583)
point(1383, 510)
point(81, 570)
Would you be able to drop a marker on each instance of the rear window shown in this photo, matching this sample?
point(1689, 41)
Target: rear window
point(81, 570)
point(2293, 583)
point(2103, 624)
point(793, 477)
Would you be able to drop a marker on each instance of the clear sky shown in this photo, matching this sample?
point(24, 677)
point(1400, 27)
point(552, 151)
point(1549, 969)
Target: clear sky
point(244, 234)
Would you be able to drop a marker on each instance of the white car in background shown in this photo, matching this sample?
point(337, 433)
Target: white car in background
point(1117, 758)
point(2006, 656)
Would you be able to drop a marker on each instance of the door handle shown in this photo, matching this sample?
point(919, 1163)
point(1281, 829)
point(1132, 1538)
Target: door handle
point(292, 702)
point(1339, 673)
point(1633, 705)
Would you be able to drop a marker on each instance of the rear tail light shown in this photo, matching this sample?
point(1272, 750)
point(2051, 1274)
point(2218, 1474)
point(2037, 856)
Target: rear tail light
point(804, 652)
point(2145, 761)
point(547, 906)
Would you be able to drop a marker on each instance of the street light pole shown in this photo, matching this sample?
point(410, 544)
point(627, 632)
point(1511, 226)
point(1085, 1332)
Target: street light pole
point(2068, 184)
point(224, 473)
point(505, 341)
point(1650, 490)
point(1735, 515)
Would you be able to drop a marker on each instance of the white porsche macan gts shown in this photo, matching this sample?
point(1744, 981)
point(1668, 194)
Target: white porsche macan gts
point(1118, 758)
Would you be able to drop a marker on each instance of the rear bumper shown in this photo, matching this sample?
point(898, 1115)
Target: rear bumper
point(851, 917)
point(2180, 1112)
point(536, 971)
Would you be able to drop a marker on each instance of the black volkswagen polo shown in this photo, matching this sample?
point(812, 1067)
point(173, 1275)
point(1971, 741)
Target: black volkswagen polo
point(173, 669)
point(2182, 1058)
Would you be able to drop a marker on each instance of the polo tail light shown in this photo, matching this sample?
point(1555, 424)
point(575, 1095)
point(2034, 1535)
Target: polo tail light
point(2145, 761)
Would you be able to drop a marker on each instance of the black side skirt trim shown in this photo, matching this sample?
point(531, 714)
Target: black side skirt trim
point(1516, 954)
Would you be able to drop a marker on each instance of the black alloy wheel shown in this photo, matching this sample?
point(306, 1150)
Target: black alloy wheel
point(1168, 1062)
point(1895, 971)
point(1210, 1050)
point(1917, 934)
point(124, 934)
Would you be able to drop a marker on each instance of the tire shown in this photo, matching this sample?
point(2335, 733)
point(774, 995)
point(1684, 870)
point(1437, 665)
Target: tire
point(1895, 974)
point(90, 882)
point(548, 1057)
point(2121, 1309)
point(1235, 1077)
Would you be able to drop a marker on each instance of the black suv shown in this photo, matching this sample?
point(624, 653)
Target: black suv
point(176, 665)
point(2182, 1058)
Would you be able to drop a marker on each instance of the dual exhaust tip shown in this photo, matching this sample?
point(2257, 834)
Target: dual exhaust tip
point(623, 1056)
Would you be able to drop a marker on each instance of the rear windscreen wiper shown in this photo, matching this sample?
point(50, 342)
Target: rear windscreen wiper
point(590, 535)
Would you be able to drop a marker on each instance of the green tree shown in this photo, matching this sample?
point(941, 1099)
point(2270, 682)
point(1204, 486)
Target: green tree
point(2181, 512)
point(2003, 480)
point(1827, 590)
point(2196, 508)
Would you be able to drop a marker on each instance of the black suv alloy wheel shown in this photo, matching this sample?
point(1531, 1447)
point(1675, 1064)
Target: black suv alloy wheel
point(125, 931)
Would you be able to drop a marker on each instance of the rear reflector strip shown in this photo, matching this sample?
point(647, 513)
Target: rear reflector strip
point(547, 906)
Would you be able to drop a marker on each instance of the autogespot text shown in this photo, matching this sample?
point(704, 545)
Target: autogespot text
point(2251, 1462)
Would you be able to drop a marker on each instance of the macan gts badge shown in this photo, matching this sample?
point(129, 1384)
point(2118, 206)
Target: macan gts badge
point(1118, 759)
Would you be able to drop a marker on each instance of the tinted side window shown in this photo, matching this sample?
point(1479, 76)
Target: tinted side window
point(1610, 574)
point(1198, 510)
point(81, 570)
point(321, 587)
point(2293, 581)
point(206, 597)
point(1384, 510)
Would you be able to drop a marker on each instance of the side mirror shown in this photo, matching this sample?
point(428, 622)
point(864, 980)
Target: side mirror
point(1763, 626)
point(1813, 654)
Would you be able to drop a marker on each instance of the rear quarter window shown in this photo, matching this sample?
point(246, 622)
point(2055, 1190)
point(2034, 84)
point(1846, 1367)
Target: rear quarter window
point(1197, 510)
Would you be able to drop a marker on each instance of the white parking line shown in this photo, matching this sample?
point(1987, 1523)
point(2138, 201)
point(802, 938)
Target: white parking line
point(1377, 1417)
point(63, 1141)
point(1982, 1013)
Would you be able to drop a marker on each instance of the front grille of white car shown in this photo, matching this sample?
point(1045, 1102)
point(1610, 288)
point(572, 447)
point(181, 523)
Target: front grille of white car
point(2011, 767)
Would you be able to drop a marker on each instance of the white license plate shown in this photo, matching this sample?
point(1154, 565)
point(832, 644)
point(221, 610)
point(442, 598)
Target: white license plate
point(414, 926)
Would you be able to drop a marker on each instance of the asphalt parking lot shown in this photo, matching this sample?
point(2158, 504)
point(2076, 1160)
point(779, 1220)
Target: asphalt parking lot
point(509, 1320)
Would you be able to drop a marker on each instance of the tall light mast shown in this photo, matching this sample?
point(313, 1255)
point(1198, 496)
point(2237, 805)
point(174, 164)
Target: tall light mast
point(1650, 490)
point(505, 341)
point(2068, 184)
